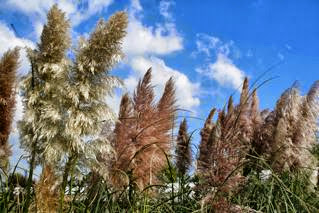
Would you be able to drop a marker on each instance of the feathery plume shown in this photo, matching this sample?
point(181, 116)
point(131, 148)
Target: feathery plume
point(244, 92)
point(244, 119)
point(166, 111)
point(123, 145)
point(255, 116)
point(155, 126)
point(54, 37)
point(140, 150)
point(203, 162)
point(95, 57)
point(144, 95)
point(183, 152)
point(230, 106)
point(65, 101)
point(103, 49)
point(254, 113)
point(289, 132)
point(44, 90)
point(144, 112)
point(222, 154)
point(8, 68)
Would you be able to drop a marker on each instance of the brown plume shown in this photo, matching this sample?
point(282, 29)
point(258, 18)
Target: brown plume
point(224, 145)
point(230, 106)
point(203, 157)
point(123, 144)
point(183, 152)
point(8, 68)
point(141, 141)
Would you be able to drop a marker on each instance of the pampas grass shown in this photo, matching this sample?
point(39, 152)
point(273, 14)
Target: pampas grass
point(183, 151)
point(222, 182)
point(8, 68)
point(249, 159)
point(142, 135)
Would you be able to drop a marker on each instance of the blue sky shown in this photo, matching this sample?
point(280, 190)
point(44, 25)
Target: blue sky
point(208, 47)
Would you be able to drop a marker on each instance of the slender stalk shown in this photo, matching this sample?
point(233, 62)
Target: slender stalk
point(29, 183)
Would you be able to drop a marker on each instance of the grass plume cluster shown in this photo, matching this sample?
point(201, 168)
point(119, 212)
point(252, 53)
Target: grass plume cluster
point(142, 134)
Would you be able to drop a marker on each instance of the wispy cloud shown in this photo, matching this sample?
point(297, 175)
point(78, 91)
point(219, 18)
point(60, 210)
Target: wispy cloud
point(223, 70)
point(280, 56)
point(164, 8)
point(211, 45)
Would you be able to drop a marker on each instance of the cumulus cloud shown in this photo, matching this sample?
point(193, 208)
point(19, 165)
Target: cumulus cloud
point(224, 72)
point(161, 39)
point(186, 90)
point(141, 39)
point(144, 44)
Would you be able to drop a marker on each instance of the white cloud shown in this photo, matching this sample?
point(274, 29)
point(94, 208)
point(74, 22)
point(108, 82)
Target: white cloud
point(224, 72)
point(31, 6)
point(94, 7)
point(9, 40)
point(74, 9)
point(161, 39)
point(136, 6)
point(186, 91)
